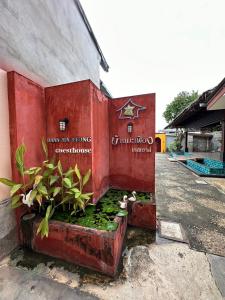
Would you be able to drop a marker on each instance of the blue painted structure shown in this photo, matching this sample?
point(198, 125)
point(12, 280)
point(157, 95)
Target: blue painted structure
point(207, 166)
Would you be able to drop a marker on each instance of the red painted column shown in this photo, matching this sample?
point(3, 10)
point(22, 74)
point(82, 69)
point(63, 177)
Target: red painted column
point(27, 121)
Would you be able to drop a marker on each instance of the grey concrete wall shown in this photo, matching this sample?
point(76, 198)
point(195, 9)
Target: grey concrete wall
point(8, 234)
point(216, 140)
point(47, 41)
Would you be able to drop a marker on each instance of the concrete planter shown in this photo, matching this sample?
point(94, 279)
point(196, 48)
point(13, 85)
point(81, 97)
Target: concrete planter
point(142, 214)
point(8, 231)
point(95, 249)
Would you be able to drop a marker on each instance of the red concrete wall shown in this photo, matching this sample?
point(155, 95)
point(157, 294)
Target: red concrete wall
point(27, 117)
point(130, 170)
point(100, 142)
point(71, 101)
point(142, 215)
point(35, 113)
point(27, 122)
point(95, 249)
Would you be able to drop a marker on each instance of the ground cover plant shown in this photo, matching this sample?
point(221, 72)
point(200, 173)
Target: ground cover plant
point(100, 216)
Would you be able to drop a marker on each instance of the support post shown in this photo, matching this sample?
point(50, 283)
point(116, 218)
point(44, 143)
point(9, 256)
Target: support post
point(186, 141)
point(222, 154)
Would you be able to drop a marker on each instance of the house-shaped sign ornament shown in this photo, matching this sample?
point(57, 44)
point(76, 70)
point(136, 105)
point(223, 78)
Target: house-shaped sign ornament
point(130, 110)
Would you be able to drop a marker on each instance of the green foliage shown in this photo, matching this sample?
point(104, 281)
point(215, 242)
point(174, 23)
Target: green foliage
point(175, 146)
point(47, 188)
point(122, 213)
point(20, 158)
point(179, 103)
point(7, 182)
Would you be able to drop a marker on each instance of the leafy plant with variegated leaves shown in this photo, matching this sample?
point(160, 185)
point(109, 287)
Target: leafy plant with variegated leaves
point(47, 188)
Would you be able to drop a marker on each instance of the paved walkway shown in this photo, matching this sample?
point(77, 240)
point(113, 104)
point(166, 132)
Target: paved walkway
point(188, 199)
point(160, 269)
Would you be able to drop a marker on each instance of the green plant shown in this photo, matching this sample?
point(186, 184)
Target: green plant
point(175, 146)
point(48, 187)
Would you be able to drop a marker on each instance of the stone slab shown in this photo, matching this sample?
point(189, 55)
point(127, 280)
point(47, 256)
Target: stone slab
point(26, 285)
point(218, 271)
point(171, 230)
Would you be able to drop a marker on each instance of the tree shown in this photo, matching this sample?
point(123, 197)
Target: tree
point(180, 102)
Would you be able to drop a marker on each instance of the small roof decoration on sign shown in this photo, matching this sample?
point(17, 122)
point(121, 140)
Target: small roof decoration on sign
point(130, 110)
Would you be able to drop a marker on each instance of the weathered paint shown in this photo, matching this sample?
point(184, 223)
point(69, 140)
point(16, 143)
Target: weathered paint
point(27, 117)
point(96, 249)
point(27, 124)
point(142, 214)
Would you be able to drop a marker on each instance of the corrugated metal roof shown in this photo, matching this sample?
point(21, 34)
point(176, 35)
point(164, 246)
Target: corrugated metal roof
point(194, 107)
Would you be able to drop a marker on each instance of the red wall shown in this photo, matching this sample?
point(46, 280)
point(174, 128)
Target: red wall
point(86, 108)
point(35, 113)
point(71, 101)
point(27, 119)
point(100, 144)
point(130, 170)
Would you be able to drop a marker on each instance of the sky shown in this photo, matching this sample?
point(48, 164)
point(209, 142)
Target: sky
point(159, 46)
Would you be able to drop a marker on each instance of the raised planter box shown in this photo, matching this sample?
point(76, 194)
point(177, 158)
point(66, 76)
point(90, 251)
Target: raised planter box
point(142, 214)
point(95, 249)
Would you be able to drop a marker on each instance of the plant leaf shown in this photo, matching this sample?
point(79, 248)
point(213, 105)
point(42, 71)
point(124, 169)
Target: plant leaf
point(60, 169)
point(53, 179)
point(39, 199)
point(56, 191)
point(111, 226)
point(20, 158)
point(43, 228)
point(77, 171)
point(75, 190)
point(86, 196)
point(15, 188)
point(65, 199)
point(32, 171)
point(7, 182)
point(77, 194)
point(44, 147)
point(42, 189)
point(69, 172)
point(67, 182)
point(48, 211)
point(122, 213)
point(50, 166)
point(15, 201)
point(32, 195)
point(37, 180)
point(86, 177)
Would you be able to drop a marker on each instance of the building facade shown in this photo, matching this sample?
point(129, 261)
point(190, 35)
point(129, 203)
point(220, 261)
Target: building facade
point(52, 43)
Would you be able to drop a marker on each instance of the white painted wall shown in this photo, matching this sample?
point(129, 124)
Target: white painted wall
point(47, 41)
point(5, 160)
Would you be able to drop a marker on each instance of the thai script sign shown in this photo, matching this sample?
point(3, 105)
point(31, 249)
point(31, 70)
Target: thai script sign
point(137, 140)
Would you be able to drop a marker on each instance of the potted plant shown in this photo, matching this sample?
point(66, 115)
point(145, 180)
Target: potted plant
point(46, 191)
